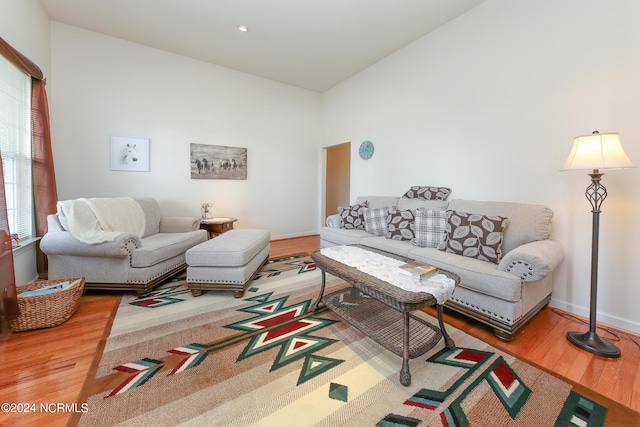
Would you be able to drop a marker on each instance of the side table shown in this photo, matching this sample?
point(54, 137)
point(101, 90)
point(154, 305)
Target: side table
point(217, 226)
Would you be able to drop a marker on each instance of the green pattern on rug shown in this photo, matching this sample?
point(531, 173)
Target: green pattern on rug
point(265, 359)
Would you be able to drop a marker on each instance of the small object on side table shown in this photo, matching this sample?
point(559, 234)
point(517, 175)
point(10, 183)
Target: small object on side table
point(217, 226)
point(206, 211)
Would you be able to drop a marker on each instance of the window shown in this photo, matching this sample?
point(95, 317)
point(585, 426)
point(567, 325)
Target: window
point(15, 146)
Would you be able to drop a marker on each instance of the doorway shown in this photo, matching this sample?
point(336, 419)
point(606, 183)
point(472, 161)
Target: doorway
point(337, 177)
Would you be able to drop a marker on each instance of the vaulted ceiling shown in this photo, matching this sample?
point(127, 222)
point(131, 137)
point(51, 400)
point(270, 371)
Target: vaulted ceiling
point(312, 44)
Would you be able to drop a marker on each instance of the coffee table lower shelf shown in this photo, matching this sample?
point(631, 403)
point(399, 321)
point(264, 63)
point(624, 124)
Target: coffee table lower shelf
point(385, 325)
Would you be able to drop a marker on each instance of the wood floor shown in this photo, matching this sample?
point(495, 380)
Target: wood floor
point(42, 371)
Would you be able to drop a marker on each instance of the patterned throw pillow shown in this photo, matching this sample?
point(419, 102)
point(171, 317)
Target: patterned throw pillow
point(429, 228)
point(474, 235)
point(427, 193)
point(375, 220)
point(352, 216)
point(400, 225)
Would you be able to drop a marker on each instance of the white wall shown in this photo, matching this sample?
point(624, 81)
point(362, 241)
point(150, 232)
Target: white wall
point(103, 86)
point(24, 25)
point(489, 105)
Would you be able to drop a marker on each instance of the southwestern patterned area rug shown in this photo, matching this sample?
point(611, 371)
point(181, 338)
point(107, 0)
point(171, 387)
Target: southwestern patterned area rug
point(265, 359)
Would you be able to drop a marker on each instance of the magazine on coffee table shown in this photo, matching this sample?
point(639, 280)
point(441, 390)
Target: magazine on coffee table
point(417, 270)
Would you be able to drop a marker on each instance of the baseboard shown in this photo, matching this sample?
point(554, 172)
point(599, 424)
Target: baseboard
point(602, 318)
point(294, 235)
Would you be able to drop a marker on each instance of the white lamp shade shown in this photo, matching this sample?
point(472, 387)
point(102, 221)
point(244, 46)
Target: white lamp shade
point(597, 151)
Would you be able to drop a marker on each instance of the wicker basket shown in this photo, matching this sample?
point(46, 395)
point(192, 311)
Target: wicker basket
point(47, 310)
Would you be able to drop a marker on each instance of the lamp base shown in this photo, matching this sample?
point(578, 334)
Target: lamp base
point(591, 342)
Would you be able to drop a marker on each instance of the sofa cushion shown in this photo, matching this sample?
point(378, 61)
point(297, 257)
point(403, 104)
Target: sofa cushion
point(352, 216)
point(427, 192)
point(162, 246)
point(398, 247)
point(474, 235)
point(152, 215)
point(377, 201)
point(342, 236)
point(415, 204)
point(400, 225)
point(64, 222)
point(429, 227)
point(527, 223)
point(375, 220)
point(480, 276)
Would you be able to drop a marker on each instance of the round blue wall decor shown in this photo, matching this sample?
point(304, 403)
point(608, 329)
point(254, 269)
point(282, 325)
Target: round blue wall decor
point(366, 150)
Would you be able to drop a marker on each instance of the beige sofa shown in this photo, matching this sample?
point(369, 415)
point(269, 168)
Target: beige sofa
point(503, 295)
point(128, 261)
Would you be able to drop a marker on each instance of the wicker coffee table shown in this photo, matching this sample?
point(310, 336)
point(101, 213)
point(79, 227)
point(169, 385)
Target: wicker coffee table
point(382, 310)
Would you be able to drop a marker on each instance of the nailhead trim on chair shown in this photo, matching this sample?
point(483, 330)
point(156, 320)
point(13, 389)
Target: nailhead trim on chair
point(182, 263)
point(128, 244)
point(526, 264)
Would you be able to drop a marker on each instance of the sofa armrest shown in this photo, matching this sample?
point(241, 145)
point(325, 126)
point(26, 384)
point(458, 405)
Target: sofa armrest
point(334, 221)
point(178, 224)
point(533, 261)
point(63, 243)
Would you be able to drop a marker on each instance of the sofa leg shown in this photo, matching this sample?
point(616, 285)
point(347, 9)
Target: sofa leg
point(503, 335)
point(196, 292)
point(238, 294)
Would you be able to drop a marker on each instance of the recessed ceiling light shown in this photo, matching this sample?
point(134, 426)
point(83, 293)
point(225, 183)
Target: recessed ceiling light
point(243, 28)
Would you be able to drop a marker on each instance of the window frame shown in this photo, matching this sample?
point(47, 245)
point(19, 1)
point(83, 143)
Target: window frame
point(16, 148)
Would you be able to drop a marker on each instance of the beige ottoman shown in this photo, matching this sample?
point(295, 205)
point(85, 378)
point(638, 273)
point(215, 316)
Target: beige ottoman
point(227, 262)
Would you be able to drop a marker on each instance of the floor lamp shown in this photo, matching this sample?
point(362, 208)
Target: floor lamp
point(593, 153)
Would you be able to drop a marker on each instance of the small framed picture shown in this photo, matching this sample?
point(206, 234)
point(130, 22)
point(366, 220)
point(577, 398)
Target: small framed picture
point(129, 153)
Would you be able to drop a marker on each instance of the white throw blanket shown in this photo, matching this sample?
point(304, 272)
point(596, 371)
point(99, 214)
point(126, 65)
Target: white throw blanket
point(96, 221)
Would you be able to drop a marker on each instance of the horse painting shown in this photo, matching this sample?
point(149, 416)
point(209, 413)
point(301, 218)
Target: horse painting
point(218, 162)
point(128, 154)
point(203, 165)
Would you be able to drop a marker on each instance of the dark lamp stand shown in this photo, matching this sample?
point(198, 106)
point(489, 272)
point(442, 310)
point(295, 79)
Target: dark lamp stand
point(590, 341)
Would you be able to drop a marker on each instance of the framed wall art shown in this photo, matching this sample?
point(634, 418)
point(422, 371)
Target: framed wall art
point(218, 162)
point(129, 153)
